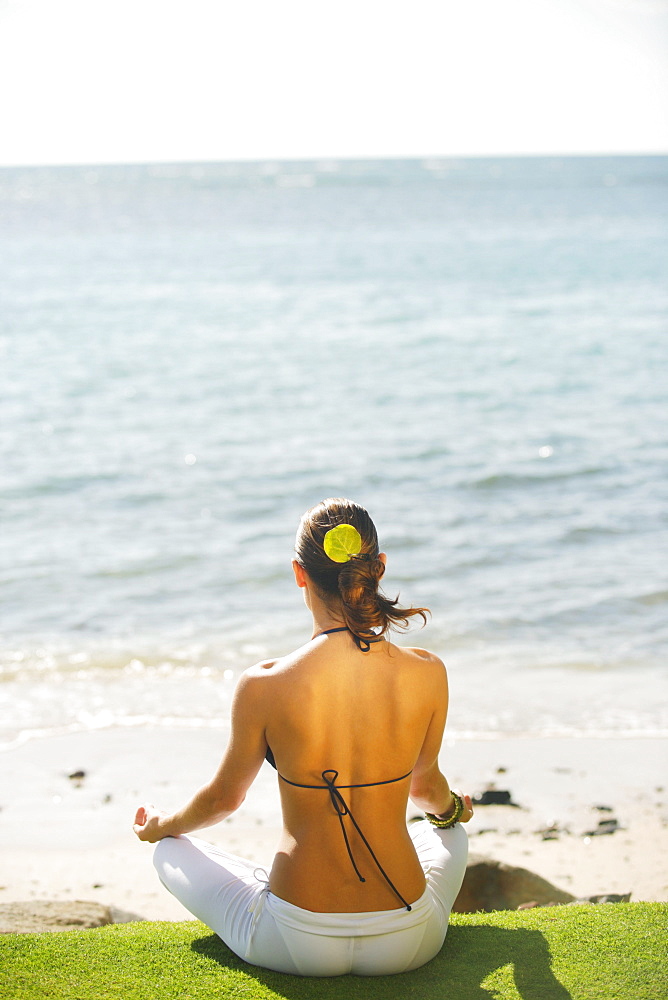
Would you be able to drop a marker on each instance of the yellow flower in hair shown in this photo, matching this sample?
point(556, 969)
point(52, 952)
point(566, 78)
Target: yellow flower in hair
point(342, 542)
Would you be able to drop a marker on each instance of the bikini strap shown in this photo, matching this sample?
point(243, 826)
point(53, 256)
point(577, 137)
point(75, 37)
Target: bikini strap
point(363, 643)
point(367, 784)
point(343, 809)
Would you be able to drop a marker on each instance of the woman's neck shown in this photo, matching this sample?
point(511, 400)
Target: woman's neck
point(326, 624)
point(325, 617)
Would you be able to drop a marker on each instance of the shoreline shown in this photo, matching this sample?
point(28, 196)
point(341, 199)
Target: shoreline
point(66, 838)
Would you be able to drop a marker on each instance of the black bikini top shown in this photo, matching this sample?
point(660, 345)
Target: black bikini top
point(329, 777)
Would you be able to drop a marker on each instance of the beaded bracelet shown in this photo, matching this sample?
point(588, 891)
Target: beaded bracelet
point(443, 824)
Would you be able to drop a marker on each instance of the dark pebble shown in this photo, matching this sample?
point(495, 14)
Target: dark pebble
point(552, 832)
point(494, 797)
point(605, 826)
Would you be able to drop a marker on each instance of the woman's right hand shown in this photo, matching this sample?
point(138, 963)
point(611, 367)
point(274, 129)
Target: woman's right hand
point(148, 824)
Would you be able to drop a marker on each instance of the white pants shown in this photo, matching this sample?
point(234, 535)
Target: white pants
point(232, 897)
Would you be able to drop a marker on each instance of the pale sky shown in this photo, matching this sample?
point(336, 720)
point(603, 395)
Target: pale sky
point(95, 81)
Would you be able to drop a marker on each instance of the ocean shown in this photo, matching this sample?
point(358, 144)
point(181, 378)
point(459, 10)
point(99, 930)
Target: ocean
point(193, 354)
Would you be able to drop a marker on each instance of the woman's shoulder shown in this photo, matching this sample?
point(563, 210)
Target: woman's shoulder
point(423, 655)
point(254, 684)
point(260, 671)
point(267, 681)
point(275, 667)
point(424, 668)
point(260, 668)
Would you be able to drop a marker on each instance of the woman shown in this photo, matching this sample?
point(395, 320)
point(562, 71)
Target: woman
point(354, 726)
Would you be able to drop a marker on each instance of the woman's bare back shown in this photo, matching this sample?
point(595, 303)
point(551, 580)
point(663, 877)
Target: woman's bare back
point(365, 715)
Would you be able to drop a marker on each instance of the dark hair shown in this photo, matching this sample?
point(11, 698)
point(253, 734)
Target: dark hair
point(364, 607)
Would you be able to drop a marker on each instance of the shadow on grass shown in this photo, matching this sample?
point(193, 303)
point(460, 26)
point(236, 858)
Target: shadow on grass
point(469, 957)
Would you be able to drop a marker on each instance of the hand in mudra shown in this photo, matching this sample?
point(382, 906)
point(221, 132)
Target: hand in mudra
point(147, 824)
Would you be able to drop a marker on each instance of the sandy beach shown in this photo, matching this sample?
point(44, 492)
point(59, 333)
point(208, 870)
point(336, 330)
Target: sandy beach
point(65, 839)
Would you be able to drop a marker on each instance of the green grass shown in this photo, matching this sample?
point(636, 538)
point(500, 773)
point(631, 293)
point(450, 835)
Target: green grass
point(615, 951)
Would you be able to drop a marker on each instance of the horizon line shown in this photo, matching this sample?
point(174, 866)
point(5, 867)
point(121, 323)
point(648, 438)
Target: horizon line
point(349, 158)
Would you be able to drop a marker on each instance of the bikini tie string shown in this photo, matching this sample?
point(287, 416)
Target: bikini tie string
point(363, 643)
point(343, 809)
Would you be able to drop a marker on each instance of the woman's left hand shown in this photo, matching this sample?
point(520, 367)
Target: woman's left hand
point(468, 808)
point(148, 824)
